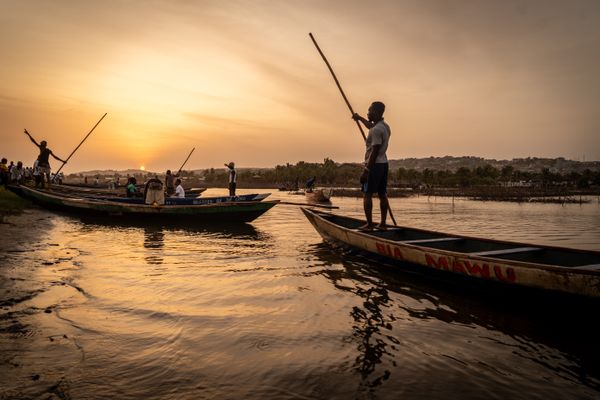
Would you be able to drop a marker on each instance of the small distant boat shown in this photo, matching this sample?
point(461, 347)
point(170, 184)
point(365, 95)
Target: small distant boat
point(194, 192)
point(231, 210)
point(318, 195)
point(545, 267)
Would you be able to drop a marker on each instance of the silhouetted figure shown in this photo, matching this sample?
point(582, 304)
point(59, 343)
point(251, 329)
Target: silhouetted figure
point(310, 184)
point(17, 173)
point(4, 174)
point(375, 172)
point(170, 182)
point(232, 178)
point(43, 158)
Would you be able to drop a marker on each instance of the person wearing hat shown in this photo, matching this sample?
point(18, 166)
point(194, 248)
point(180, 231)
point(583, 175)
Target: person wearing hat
point(43, 158)
point(232, 178)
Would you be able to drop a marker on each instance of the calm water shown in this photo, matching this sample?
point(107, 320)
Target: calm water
point(267, 310)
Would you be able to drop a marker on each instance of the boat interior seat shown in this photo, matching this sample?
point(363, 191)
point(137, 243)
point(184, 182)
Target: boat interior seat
point(431, 240)
point(505, 251)
point(590, 267)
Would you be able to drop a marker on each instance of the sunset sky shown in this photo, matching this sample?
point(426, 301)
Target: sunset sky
point(241, 81)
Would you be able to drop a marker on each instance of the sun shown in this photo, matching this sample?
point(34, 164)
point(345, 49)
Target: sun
point(142, 168)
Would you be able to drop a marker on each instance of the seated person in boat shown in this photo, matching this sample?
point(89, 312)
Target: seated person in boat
point(131, 189)
point(153, 192)
point(179, 192)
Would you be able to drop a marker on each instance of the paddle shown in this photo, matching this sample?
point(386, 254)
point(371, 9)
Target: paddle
point(73, 152)
point(349, 106)
point(186, 160)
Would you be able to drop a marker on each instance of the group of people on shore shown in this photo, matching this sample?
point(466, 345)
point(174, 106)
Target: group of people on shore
point(18, 174)
point(39, 173)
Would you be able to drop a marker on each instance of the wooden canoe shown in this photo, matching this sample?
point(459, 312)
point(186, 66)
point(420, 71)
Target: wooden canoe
point(187, 200)
point(116, 192)
point(545, 267)
point(242, 211)
point(318, 195)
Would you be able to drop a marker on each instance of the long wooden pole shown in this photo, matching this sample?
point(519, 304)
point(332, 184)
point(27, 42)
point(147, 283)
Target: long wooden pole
point(338, 84)
point(349, 106)
point(186, 160)
point(78, 146)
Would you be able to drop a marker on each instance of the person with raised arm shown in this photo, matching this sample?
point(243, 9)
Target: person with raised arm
point(44, 158)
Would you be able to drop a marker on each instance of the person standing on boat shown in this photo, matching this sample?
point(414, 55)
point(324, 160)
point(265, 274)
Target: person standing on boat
point(43, 158)
point(179, 192)
point(170, 182)
point(375, 172)
point(310, 184)
point(232, 178)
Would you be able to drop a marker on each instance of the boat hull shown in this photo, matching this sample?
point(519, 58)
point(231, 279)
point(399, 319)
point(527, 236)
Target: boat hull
point(319, 195)
point(244, 211)
point(580, 280)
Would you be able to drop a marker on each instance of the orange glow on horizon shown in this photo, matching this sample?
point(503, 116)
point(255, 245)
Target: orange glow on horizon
point(242, 81)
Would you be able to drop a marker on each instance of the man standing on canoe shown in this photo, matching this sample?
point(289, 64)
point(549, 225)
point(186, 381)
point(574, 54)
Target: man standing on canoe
point(375, 172)
point(170, 182)
point(43, 158)
point(232, 178)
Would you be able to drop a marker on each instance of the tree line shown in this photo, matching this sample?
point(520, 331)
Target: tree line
point(330, 173)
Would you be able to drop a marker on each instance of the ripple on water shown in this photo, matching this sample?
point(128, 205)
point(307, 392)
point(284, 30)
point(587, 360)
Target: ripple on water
point(267, 310)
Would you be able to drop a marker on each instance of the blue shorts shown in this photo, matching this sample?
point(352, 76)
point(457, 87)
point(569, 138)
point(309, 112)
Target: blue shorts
point(377, 180)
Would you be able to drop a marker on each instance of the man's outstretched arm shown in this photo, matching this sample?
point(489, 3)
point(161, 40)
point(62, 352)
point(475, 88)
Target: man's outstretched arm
point(32, 139)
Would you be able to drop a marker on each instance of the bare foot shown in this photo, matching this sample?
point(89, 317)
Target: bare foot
point(366, 228)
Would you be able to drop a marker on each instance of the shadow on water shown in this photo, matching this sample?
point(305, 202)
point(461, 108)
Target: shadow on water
point(152, 228)
point(530, 317)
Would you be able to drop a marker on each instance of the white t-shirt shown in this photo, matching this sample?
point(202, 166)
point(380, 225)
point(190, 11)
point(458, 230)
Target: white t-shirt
point(378, 135)
point(179, 192)
point(232, 175)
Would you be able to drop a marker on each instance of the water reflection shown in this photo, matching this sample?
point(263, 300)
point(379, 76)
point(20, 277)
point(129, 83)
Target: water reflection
point(244, 231)
point(154, 241)
point(553, 331)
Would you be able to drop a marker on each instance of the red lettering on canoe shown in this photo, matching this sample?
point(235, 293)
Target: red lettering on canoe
point(509, 277)
point(475, 269)
point(389, 251)
point(440, 263)
point(458, 267)
point(398, 253)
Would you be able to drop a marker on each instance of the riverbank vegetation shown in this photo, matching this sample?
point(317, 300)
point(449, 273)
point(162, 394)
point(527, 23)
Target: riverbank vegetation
point(10, 203)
